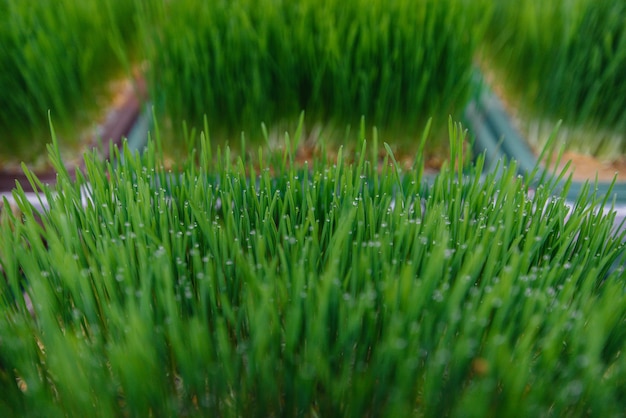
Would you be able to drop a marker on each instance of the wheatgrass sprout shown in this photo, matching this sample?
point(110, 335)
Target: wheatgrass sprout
point(564, 60)
point(329, 289)
point(57, 56)
point(397, 62)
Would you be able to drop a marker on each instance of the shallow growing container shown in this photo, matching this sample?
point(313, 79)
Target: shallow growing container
point(68, 62)
point(346, 289)
point(572, 73)
point(242, 63)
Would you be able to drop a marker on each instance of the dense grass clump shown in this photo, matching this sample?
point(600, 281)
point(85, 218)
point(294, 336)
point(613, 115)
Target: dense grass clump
point(329, 289)
point(565, 60)
point(57, 56)
point(395, 62)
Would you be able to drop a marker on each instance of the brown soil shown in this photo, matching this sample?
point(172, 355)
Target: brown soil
point(310, 147)
point(585, 167)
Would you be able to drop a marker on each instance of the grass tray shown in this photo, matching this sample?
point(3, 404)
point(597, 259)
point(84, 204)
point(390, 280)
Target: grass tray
point(341, 289)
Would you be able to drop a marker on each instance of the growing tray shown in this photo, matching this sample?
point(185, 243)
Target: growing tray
point(497, 136)
point(122, 120)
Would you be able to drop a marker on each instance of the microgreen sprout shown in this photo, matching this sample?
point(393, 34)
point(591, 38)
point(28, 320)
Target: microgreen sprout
point(398, 63)
point(334, 289)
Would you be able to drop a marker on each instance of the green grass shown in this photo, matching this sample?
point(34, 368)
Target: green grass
point(57, 56)
point(244, 62)
point(332, 289)
point(565, 60)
